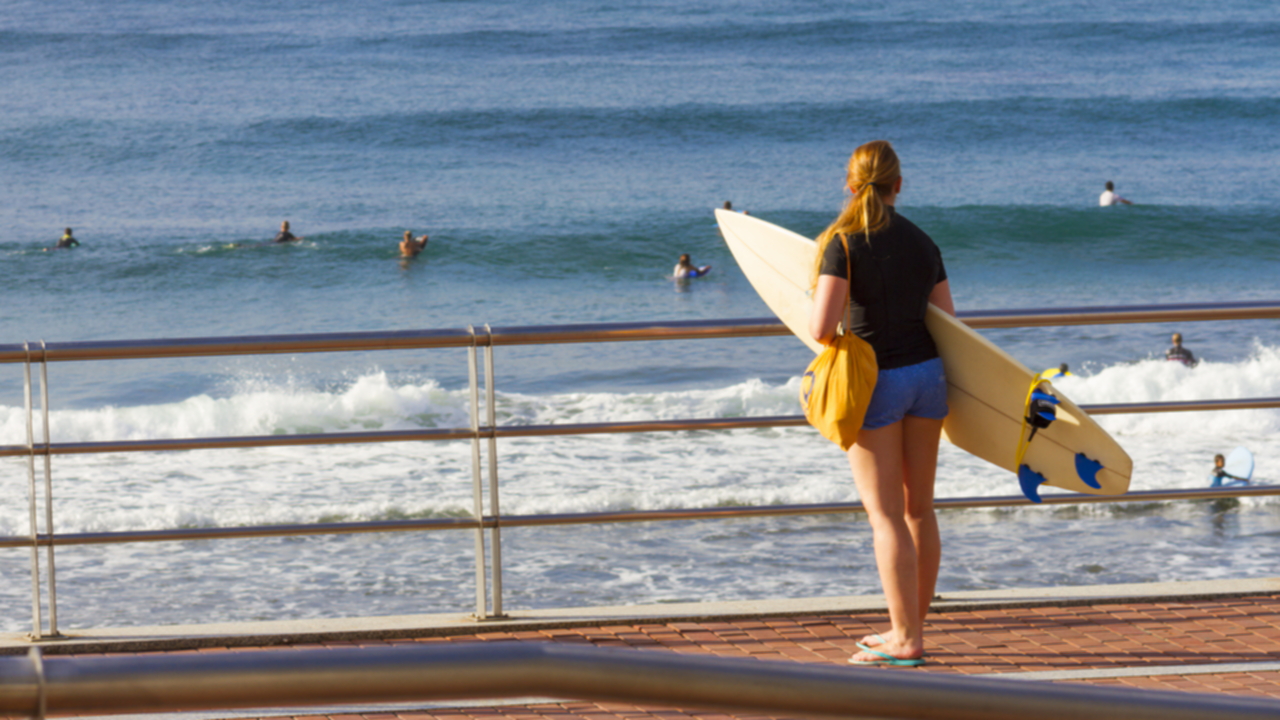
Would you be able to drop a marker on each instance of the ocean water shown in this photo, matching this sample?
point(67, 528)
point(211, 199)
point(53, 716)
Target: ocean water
point(561, 156)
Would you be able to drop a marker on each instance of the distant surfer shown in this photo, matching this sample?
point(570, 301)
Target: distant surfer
point(1179, 353)
point(897, 270)
point(284, 235)
point(1220, 476)
point(685, 269)
point(411, 246)
point(1055, 373)
point(66, 241)
point(1109, 197)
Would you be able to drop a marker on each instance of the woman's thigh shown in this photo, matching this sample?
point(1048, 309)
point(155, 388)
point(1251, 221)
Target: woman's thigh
point(877, 464)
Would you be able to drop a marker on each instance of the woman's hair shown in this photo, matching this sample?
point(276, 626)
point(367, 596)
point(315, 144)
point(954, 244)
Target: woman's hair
point(873, 169)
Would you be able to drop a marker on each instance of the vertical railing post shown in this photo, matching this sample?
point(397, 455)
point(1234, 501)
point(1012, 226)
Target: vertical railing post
point(37, 624)
point(48, 492)
point(491, 419)
point(477, 484)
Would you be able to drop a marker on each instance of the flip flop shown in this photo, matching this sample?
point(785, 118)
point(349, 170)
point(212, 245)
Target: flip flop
point(875, 638)
point(887, 659)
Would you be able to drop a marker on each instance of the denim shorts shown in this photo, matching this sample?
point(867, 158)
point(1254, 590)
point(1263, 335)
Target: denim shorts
point(919, 390)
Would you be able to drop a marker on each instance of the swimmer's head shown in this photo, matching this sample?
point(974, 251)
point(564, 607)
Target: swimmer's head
point(684, 259)
point(67, 231)
point(1219, 461)
point(1177, 338)
point(1062, 368)
point(1111, 185)
point(284, 225)
point(728, 205)
point(408, 234)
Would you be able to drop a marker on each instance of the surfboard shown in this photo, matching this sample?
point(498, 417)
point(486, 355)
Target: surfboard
point(987, 389)
point(1239, 464)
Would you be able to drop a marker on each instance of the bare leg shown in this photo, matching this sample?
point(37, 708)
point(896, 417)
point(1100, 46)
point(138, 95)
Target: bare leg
point(908, 453)
point(879, 472)
point(920, 446)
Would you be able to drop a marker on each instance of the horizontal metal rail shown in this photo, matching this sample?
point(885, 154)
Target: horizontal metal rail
point(515, 431)
point(1125, 314)
point(38, 685)
point(614, 516)
point(610, 332)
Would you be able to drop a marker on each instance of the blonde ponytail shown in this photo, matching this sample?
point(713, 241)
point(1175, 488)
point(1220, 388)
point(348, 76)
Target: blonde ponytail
point(873, 169)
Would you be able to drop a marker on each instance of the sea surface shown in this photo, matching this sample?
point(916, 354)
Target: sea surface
point(561, 156)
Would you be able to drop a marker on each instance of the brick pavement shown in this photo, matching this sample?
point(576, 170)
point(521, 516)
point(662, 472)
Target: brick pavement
point(1153, 645)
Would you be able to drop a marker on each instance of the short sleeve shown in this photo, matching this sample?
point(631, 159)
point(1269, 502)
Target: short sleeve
point(835, 261)
point(942, 269)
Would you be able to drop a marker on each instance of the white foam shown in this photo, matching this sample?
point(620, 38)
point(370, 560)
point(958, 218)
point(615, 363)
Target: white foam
point(561, 474)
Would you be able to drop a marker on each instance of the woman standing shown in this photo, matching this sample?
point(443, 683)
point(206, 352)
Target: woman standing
point(897, 271)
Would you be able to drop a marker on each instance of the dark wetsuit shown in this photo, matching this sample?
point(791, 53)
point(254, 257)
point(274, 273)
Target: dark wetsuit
point(284, 236)
point(1220, 478)
point(1181, 354)
point(67, 242)
point(893, 277)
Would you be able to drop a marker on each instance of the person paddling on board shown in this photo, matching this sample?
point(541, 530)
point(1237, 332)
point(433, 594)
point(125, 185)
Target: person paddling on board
point(685, 269)
point(284, 235)
point(1220, 476)
point(1109, 197)
point(1055, 373)
point(1179, 353)
point(411, 246)
point(67, 241)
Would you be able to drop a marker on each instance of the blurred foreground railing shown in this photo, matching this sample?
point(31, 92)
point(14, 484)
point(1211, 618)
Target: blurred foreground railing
point(37, 685)
point(483, 433)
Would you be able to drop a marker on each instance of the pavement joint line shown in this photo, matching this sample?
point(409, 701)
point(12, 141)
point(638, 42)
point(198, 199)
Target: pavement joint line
point(1144, 671)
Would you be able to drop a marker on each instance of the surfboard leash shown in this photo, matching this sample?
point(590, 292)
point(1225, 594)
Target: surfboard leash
point(1039, 411)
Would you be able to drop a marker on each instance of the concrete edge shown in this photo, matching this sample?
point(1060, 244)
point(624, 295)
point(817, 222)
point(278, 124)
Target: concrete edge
point(405, 627)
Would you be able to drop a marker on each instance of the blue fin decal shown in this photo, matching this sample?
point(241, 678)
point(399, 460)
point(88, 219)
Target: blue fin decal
point(1030, 480)
point(1088, 469)
point(1038, 395)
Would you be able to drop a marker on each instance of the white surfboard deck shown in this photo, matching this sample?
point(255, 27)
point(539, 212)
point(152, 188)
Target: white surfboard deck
point(1240, 463)
point(987, 388)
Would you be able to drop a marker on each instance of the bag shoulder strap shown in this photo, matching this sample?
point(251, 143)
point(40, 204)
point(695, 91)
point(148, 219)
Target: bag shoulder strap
point(848, 298)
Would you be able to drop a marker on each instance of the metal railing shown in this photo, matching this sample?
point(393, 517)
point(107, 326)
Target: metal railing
point(37, 685)
point(483, 435)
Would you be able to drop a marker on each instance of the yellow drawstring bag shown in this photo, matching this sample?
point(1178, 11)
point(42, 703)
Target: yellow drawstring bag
point(837, 386)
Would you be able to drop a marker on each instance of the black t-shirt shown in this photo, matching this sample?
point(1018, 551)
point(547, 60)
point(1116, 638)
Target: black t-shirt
point(893, 276)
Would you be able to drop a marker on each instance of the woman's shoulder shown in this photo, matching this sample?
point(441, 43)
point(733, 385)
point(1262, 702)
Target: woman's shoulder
point(906, 226)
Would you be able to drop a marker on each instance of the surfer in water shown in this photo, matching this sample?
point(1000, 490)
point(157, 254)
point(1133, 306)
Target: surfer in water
point(1109, 197)
point(1054, 373)
point(896, 270)
point(685, 269)
point(1220, 476)
point(65, 242)
point(411, 246)
point(1179, 353)
point(284, 235)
